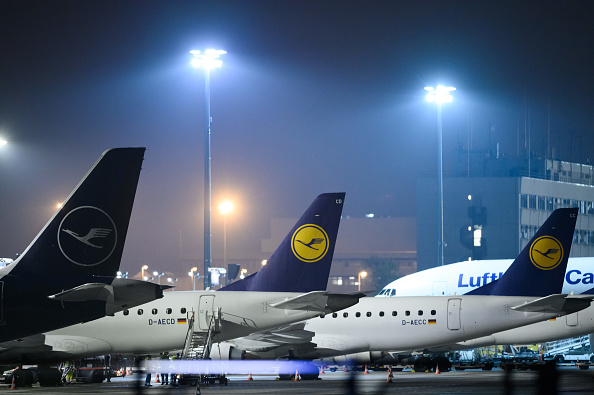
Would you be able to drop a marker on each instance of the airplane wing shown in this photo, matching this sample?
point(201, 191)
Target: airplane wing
point(557, 303)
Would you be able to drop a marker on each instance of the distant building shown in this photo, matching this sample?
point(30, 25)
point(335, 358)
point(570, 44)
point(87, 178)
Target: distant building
point(494, 209)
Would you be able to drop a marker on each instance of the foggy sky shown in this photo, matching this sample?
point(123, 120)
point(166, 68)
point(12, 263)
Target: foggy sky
point(313, 97)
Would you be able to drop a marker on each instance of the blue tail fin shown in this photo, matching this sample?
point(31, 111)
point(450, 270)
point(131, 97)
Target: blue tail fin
point(539, 270)
point(86, 236)
point(302, 261)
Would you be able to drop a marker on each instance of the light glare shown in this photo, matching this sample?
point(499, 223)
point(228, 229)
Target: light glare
point(440, 94)
point(207, 60)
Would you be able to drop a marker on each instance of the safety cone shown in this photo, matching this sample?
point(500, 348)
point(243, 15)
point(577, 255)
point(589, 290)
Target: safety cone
point(366, 371)
point(250, 377)
point(13, 386)
point(346, 368)
point(157, 378)
point(296, 376)
point(437, 369)
point(322, 369)
point(390, 375)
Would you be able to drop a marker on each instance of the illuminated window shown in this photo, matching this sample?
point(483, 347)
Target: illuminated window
point(140, 311)
point(154, 311)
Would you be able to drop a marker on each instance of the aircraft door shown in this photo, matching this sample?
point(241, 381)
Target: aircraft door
point(205, 309)
point(440, 288)
point(571, 319)
point(454, 306)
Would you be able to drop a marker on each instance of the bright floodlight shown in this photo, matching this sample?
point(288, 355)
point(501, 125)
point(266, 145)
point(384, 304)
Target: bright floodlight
point(225, 207)
point(207, 60)
point(440, 94)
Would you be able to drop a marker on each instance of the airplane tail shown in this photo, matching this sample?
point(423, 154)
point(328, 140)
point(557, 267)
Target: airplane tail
point(85, 237)
point(302, 261)
point(539, 270)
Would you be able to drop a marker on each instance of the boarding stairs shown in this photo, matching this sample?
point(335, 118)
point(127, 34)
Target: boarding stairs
point(199, 342)
point(198, 345)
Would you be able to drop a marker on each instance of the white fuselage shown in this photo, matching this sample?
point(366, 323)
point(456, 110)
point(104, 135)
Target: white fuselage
point(462, 277)
point(416, 323)
point(457, 278)
point(162, 325)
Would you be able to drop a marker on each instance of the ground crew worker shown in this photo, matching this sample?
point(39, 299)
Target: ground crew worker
point(147, 381)
point(174, 375)
point(164, 376)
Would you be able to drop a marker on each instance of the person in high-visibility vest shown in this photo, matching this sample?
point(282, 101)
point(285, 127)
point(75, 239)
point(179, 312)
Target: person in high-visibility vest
point(165, 376)
point(147, 381)
point(174, 375)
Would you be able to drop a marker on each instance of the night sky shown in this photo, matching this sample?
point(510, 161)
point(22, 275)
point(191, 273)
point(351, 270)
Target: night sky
point(313, 96)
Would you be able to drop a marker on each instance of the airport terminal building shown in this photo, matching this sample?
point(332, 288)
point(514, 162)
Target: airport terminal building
point(496, 208)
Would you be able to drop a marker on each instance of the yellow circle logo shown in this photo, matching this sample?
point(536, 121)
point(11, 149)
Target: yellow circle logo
point(546, 252)
point(309, 243)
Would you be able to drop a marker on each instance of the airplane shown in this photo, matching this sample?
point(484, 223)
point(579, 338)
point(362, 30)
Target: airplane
point(463, 277)
point(413, 324)
point(255, 303)
point(67, 274)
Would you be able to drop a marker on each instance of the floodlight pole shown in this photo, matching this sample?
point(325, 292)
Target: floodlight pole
point(207, 180)
point(208, 60)
point(439, 94)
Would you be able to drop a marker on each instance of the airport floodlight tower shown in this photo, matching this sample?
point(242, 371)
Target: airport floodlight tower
point(439, 94)
point(207, 61)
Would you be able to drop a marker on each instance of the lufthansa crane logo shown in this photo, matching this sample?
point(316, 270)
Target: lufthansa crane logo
point(546, 252)
point(309, 243)
point(87, 236)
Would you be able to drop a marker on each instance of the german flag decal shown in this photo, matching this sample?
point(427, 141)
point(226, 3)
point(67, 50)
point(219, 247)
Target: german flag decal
point(432, 322)
point(181, 321)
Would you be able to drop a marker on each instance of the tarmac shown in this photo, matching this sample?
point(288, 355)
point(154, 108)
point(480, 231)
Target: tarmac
point(565, 380)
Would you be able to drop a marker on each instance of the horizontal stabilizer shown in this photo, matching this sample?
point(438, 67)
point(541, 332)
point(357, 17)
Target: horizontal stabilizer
point(121, 294)
point(85, 292)
point(337, 302)
point(558, 303)
point(315, 300)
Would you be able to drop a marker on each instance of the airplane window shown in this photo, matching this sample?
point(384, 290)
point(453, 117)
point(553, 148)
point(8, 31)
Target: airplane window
point(345, 315)
point(381, 313)
point(420, 312)
point(394, 314)
point(169, 310)
point(357, 314)
point(126, 312)
point(322, 315)
point(154, 311)
point(334, 315)
point(407, 313)
point(433, 312)
point(393, 293)
point(183, 310)
point(140, 311)
point(368, 314)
